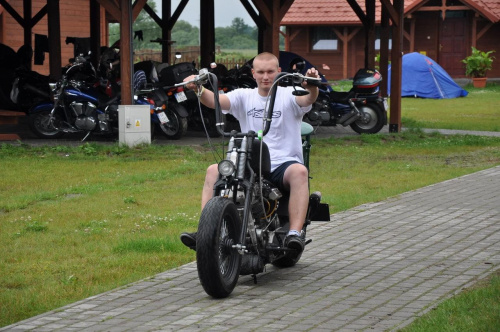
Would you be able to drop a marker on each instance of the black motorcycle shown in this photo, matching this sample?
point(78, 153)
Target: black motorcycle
point(166, 100)
point(243, 227)
point(362, 108)
point(29, 88)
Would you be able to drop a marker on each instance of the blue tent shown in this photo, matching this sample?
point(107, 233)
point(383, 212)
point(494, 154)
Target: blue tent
point(424, 78)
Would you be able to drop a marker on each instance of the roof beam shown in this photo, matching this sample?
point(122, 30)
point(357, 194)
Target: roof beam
point(393, 15)
point(112, 8)
point(264, 11)
point(253, 14)
point(357, 10)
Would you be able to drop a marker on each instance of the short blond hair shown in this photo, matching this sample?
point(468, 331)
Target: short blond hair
point(266, 56)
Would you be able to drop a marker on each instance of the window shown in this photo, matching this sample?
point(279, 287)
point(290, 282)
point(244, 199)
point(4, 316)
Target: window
point(323, 39)
point(377, 38)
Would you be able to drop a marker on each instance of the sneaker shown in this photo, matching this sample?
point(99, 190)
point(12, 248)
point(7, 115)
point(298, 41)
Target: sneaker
point(189, 240)
point(295, 242)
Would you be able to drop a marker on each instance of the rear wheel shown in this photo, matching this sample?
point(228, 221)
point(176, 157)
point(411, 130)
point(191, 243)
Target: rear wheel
point(42, 124)
point(218, 262)
point(176, 126)
point(371, 121)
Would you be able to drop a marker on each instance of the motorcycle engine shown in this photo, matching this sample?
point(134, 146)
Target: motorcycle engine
point(319, 112)
point(263, 207)
point(84, 115)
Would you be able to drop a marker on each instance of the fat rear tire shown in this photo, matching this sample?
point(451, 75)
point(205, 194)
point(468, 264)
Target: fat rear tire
point(218, 262)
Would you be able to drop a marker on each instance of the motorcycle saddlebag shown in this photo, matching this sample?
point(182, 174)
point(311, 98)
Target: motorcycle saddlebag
point(176, 73)
point(367, 81)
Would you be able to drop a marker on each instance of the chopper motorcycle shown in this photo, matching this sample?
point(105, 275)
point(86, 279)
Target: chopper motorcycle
point(243, 226)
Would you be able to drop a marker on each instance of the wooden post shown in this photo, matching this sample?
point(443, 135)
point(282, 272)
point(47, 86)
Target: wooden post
point(207, 33)
point(166, 14)
point(384, 50)
point(126, 50)
point(54, 28)
point(95, 32)
point(370, 34)
point(396, 68)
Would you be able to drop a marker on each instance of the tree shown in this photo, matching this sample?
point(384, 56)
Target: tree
point(238, 35)
point(239, 26)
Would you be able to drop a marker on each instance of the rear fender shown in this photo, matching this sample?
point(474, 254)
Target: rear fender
point(181, 110)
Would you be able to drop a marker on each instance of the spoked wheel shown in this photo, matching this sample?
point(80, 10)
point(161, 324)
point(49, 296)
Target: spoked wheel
point(372, 120)
point(218, 262)
point(42, 125)
point(176, 126)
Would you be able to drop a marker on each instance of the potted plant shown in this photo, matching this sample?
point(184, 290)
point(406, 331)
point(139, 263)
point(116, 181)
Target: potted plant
point(476, 66)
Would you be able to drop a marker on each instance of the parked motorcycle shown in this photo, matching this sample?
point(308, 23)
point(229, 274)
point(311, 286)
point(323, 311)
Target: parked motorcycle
point(29, 88)
point(166, 101)
point(243, 227)
point(200, 118)
point(362, 108)
point(81, 105)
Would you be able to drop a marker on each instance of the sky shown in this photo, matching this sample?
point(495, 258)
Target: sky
point(225, 12)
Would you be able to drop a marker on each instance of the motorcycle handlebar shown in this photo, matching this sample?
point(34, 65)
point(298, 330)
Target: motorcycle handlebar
point(200, 79)
point(297, 78)
point(204, 76)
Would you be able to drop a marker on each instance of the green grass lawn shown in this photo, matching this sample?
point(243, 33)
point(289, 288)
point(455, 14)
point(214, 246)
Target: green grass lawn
point(479, 110)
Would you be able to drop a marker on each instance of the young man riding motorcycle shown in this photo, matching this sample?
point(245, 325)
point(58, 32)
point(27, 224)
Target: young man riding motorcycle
point(288, 172)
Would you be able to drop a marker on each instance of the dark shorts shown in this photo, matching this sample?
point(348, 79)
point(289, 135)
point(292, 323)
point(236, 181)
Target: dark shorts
point(277, 175)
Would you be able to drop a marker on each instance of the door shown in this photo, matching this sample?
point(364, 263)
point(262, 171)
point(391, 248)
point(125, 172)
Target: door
point(452, 45)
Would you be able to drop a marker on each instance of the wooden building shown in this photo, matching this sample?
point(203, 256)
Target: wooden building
point(74, 21)
point(328, 32)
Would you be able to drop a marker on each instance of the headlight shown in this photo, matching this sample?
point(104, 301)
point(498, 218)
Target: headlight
point(226, 168)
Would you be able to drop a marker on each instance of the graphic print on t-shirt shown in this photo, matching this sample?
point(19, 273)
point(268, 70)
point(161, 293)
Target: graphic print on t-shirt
point(258, 113)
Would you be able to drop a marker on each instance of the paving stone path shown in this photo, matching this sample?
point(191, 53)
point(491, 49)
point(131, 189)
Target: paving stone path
point(375, 267)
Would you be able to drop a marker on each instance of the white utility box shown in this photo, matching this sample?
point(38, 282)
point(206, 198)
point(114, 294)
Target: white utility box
point(134, 124)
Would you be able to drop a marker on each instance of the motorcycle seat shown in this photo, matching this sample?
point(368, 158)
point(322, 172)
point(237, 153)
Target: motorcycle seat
point(341, 97)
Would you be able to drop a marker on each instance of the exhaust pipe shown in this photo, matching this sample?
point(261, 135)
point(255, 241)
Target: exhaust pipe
point(349, 118)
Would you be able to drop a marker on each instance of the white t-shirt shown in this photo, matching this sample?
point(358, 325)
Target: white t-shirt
point(283, 139)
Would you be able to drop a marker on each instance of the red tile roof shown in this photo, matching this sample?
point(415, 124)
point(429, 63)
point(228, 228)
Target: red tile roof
point(321, 12)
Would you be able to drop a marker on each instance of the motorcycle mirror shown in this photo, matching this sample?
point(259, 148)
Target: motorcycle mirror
point(297, 65)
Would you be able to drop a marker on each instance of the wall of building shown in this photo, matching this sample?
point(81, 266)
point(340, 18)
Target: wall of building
point(75, 22)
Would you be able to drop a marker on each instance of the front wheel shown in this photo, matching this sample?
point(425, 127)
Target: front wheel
point(371, 121)
point(176, 126)
point(217, 260)
point(42, 125)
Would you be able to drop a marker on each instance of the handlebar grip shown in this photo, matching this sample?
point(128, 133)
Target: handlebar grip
point(313, 82)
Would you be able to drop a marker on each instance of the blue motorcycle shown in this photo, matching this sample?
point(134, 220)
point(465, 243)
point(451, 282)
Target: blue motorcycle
point(362, 107)
point(83, 105)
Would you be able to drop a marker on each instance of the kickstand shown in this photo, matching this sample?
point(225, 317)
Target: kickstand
point(254, 276)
